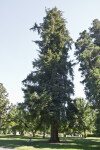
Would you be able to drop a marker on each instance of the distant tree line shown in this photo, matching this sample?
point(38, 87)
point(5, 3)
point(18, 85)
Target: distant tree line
point(48, 106)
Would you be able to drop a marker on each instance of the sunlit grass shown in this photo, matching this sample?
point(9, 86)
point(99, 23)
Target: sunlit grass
point(38, 143)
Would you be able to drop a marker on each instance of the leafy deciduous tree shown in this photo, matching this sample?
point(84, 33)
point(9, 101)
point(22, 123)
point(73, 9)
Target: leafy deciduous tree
point(85, 119)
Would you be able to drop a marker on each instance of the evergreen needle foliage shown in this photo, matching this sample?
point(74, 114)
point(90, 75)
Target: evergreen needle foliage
point(88, 54)
point(48, 88)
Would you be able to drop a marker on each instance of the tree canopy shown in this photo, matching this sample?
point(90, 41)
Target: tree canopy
point(4, 105)
point(86, 116)
point(49, 86)
point(88, 54)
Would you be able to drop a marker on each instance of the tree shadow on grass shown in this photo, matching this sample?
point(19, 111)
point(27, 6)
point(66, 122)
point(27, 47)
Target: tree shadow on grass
point(12, 143)
point(18, 136)
point(71, 143)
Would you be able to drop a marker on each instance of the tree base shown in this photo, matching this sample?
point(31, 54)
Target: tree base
point(54, 140)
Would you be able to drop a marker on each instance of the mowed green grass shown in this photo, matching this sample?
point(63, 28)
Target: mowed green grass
point(38, 143)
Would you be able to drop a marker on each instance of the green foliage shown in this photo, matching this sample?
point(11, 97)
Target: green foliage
point(85, 119)
point(88, 54)
point(50, 81)
point(16, 119)
point(95, 31)
point(98, 124)
point(4, 106)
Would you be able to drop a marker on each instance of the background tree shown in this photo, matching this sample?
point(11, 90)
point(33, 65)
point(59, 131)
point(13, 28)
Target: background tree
point(98, 124)
point(86, 116)
point(34, 115)
point(15, 120)
point(52, 79)
point(88, 55)
point(4, 106)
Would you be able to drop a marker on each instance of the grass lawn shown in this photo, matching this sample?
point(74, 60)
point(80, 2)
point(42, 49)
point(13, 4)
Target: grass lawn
point(38, 143)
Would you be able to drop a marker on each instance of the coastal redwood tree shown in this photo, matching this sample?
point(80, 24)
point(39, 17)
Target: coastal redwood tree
point(48, 87)
point(88, 55)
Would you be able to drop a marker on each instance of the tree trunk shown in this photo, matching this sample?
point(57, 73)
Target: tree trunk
point(33, 133)
point(44, 131)
point(22, 133)
point(54, 132)
point(44, 134)
point(84, 133)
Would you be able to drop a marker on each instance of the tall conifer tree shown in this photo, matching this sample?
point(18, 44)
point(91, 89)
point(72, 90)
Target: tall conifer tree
point(49, 87)
point(88, 54)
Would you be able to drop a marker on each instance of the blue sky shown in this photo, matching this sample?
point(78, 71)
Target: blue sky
point(17, 50)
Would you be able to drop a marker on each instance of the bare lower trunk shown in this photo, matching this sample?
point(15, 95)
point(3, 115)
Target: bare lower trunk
point(84, 133)
point(54, 132)
point(22, 133)
point(43, 134)
point(33, 132)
